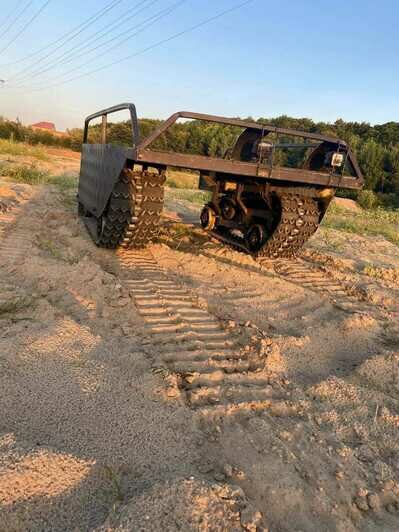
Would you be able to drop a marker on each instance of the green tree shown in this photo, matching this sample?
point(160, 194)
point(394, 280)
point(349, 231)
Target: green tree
point(371, 159)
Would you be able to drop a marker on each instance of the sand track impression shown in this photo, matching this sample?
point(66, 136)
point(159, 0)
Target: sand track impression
point(211, 370)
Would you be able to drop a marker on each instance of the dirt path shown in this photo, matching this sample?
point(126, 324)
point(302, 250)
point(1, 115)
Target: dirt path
point(182, 387)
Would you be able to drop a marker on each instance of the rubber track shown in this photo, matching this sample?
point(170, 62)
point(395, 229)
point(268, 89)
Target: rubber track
point(134, 210)
point(299, 221)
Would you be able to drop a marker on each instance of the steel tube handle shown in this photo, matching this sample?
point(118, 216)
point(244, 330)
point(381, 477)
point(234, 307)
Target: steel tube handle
point(104, 113)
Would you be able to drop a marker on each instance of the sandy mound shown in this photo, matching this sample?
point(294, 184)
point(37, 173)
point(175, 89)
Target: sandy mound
point(348, 204)
point(191, 505)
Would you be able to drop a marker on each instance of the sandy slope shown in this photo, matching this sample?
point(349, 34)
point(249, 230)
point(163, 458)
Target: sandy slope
point(186, 389)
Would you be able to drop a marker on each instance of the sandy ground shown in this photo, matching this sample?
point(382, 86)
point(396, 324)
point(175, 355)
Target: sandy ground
point(185, 388)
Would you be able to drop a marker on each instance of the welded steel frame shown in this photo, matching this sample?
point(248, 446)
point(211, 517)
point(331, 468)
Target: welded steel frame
point(141, 152)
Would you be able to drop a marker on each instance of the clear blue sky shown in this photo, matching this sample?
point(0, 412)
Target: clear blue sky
point(308, 58)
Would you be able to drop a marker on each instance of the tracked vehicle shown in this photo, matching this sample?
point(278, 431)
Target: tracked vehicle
point(260, 202)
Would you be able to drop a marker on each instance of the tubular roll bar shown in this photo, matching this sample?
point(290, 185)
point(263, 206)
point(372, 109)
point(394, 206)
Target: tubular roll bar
point(104, 113)
point(235, 122)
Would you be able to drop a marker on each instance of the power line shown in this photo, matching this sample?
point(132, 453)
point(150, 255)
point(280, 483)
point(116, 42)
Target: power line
point(16, 18)
point(8, 16)
point(146, 24)
point(148, 48)
point(109, 29)
point(30, 21)
point(74, 32)
point(69, 54)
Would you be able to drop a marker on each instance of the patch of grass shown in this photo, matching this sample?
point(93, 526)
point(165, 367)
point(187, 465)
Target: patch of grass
point(182, 237)
point(115, 481)
point(181, 230)
point(178, 179)
point(9, 307)
point(67, 186)
point(24, 174)
point(69, 201)
point(385, 274)
point(374, 222)
point(31, 175)
point(50, 247)
point(63, 182)
point(55, 250)
point(198, 197)
point(15, 305)
point(329, 240)
point(20, 148)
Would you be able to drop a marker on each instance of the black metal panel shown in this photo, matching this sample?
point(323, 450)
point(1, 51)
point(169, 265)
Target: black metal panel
point(100, 169)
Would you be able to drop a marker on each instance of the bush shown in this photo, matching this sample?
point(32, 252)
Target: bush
point(16, 132)
point(347, 193)
point(367, 199)
point(390, 200)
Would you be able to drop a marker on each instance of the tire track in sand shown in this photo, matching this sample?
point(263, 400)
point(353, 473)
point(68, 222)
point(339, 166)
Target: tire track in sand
point(12, 249)
point(298, 271)
point(215, 376)
point(13, 240)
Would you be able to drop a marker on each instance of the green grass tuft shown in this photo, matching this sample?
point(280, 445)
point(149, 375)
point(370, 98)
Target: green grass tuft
point(32, 175)
point(24, 174)
point(56, 249)
point(50, 247)
point(198, 197)
point(63, 182)
point(114, 477)
point(8, 147)
point(373, 222)
point(387, 274)
point(178, 179)
point(14, 306)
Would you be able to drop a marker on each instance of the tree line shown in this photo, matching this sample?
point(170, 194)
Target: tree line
point(376, 147)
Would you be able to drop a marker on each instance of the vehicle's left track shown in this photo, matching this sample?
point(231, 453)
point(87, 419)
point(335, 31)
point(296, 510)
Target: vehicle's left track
point(132, 216)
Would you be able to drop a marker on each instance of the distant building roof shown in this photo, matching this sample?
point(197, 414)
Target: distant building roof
point(44, 125)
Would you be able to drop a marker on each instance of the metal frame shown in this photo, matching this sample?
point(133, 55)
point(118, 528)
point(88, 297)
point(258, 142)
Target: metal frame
point(104, 114)
point(141, 153)
point(234, 122)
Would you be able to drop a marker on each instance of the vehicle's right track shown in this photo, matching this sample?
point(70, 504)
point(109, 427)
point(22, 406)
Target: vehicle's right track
point(299, 221)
